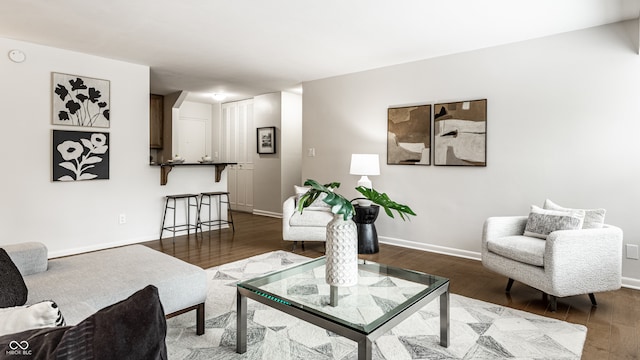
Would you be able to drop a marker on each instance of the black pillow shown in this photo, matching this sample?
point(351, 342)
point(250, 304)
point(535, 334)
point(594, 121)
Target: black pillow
point(13, 290)
point(134, 329)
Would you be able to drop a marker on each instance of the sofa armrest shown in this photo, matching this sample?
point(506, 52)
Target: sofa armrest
point(499, 226)
point(591, 255)
point(30, 257)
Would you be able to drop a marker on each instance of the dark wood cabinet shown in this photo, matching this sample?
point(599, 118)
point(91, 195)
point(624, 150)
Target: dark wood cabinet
point(156, 120)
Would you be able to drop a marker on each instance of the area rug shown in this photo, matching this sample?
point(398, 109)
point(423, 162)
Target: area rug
point(479, 330)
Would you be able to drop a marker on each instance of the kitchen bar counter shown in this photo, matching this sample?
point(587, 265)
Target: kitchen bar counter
point(165, 168)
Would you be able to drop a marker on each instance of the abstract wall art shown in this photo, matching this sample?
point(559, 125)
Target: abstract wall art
point(80, 155)
point(409, 135)
point(460, 133)
point(80, 101)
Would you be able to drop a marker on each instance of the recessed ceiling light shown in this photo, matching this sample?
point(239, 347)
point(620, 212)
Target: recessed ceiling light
point(219, 97)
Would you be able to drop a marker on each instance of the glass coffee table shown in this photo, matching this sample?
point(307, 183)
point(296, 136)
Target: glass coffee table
point(383, 298)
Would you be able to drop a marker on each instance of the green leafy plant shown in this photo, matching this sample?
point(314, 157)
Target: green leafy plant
point(340, 205)
point(387, 204)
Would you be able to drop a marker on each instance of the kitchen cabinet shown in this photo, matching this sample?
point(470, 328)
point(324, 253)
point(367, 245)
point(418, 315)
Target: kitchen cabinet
point(156, 121)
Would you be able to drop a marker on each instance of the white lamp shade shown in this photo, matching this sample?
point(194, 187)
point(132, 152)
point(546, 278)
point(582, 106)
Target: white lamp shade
point(365, 164)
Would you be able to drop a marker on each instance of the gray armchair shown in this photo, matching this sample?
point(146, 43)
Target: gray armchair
point(567, 263)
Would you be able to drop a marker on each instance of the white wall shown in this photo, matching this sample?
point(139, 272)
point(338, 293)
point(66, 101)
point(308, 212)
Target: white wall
point(291, 144)
point(275, 174)
point(75, 217)
point(266, 173)
point(562, 124)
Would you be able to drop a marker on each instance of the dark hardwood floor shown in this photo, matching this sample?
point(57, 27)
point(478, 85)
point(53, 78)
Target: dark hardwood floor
point(614, 325)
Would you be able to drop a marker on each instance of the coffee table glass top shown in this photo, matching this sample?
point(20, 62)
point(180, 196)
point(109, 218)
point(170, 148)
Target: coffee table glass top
point(382, 292)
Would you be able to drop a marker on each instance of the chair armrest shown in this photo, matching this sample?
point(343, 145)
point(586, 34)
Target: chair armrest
point(288, 208)
point(588, 254)
point(499, 226)
point(30, 257)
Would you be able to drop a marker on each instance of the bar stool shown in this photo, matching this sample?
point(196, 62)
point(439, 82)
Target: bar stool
point(212, 222)
point(180, 227)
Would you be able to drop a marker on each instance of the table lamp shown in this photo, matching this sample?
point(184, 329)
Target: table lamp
point(364, 165)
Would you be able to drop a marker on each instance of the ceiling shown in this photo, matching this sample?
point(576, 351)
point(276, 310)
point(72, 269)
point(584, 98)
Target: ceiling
point(250, 47)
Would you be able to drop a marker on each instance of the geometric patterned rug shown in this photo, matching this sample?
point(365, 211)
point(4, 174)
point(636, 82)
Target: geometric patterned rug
point(479, 330)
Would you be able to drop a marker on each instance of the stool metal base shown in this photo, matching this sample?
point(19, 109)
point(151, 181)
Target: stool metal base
point(180, 227)
point(219, 221)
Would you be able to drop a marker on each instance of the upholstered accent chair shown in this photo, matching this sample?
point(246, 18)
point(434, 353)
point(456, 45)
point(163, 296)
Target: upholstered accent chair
point(565, 263)
point(310, 225)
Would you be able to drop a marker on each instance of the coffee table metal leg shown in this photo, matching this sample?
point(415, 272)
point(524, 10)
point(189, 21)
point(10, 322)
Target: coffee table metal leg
point(365, 349)
point(444, 319)
point(333, 295)
point(241, 325)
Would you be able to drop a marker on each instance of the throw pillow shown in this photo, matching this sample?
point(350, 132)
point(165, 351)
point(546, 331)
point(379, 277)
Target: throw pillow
point(134, 329)
point(542, 222)
point(13, 290)
point(21, 318)
point(317, 204)
point(593, 218)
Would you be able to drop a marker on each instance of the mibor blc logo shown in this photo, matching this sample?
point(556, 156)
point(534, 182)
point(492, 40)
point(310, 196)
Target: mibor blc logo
point(19, 348)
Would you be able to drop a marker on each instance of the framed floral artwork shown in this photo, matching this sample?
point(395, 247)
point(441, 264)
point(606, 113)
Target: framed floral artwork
point(80, 101)
point(80, 155)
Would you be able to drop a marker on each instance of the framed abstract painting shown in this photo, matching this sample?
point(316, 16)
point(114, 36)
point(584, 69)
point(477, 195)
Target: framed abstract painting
point(460, 133)
point(409, 135)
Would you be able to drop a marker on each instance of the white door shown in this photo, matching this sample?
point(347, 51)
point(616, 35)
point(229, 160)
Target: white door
point(238, 146)
point(192, 144)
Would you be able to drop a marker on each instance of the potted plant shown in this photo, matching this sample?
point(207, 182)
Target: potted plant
point(342, 237)
point(340, 205)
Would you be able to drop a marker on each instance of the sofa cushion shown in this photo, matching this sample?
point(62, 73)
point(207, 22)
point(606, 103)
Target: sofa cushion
point(541, 223)
point(134, 328)
point(593, 218)
point(311, 218)
point(13, 290)
point(525, 249)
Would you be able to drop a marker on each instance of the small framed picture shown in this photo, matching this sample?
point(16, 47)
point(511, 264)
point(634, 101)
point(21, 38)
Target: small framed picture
point(266, 140)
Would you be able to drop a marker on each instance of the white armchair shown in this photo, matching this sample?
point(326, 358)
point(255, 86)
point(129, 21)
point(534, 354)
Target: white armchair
point(567, 263)
point(311, 225)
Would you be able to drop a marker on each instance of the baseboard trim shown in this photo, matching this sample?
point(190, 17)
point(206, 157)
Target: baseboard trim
point(267, 213)
point(431, 248)
point(631, 283)
point(627, 282)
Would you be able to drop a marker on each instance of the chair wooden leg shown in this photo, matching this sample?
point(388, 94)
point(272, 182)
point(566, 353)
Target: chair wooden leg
point(553, 303)
point(293, 247)
point(302, 245)
point(509, 285)
point(592, 297)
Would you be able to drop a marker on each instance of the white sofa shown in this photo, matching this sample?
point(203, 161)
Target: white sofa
point(567, 263)
point(85, 283)
point(310, 225)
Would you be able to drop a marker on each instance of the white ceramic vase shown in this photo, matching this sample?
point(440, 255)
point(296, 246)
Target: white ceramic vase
point(342, 252)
